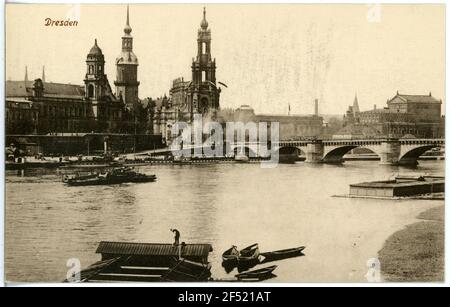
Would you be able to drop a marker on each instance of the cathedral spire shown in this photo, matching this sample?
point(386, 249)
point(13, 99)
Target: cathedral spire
point(355, 104)
point(127, 28)
point(204, 23)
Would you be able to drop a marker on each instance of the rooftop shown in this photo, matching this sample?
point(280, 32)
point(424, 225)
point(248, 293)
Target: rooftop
point(417, 98)
point(153, 249)
point(63, 90)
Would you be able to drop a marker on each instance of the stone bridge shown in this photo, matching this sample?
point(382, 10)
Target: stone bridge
point(390, 150)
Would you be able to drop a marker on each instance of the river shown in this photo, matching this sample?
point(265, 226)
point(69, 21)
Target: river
point(226, 204)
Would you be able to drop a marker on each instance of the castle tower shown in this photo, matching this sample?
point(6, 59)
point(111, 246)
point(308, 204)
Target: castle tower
point(95, 80)
point(127, 63)
point(204, 92)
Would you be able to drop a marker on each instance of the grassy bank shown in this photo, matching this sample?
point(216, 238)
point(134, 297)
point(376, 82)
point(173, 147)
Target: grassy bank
point(416, 253)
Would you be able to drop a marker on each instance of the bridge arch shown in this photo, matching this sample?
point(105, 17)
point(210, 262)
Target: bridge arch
point(335, 154)
point(289, 154)
point(410, 153)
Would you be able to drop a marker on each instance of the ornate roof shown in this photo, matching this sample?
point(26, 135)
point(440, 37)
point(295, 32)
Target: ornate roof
point(127, 57)
point(63, 90)
point(95, 50)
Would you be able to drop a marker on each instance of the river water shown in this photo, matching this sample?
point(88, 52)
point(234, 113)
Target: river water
point(48, 223)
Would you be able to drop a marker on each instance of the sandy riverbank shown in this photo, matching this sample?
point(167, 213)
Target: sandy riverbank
point(416, 253)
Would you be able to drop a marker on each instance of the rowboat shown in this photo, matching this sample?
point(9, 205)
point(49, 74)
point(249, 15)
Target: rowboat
point(249, 254)
point(231, 255)
point(259, 274)
point(282, 254)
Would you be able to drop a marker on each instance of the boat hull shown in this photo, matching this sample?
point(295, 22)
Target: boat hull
point(106, 181)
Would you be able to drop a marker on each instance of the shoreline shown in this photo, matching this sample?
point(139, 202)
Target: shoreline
point(415, 253)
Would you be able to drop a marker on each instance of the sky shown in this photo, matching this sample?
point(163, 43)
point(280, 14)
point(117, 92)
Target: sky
point(270, 56)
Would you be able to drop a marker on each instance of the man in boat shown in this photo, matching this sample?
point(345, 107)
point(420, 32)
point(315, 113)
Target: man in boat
point(177, 236)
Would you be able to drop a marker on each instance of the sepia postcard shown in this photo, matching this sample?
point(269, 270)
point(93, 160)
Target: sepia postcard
point(261, 143)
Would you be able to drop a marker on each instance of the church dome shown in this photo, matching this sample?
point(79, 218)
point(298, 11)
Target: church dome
point(127, 57)
point(95, 50)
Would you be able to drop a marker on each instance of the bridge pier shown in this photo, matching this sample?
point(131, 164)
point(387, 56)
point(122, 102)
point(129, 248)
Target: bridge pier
point(314, 152)
point(389, 152)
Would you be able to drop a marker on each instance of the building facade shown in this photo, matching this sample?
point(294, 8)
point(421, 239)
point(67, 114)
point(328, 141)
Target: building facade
point(405, 115)
point(291, 127)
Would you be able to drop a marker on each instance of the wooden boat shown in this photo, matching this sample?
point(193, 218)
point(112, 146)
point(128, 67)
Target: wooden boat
point(282, 254)
point(231, 254)
point(249, 254)
point(259, 274)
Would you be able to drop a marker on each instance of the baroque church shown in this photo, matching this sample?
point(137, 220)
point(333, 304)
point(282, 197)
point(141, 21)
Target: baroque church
point(199, 96)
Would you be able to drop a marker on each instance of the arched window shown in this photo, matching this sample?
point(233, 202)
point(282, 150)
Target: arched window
point(203, 48)
point(203, 76)
point(90, 91)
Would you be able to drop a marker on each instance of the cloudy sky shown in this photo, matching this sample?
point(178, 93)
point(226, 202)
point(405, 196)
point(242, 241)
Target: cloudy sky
point(270, 56)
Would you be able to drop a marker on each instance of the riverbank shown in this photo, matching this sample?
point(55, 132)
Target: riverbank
point(416, 253)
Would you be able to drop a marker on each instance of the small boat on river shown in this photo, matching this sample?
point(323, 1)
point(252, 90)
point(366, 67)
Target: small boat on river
point(231, 255)
point(249, 254)
point(114, 176)
point(255, 275)
point(282, 254)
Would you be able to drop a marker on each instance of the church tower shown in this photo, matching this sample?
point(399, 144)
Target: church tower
point(127, 63)
point(95, 80)
point(204, 92)
point(355, 105)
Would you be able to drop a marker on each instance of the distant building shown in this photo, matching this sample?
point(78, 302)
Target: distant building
point(413, 115)
point(291, 126)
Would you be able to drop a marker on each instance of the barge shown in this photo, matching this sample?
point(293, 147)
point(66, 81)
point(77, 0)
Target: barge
point(401, 186)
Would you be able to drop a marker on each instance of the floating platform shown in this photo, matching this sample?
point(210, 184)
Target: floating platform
point(402, 186)
point(149, 262)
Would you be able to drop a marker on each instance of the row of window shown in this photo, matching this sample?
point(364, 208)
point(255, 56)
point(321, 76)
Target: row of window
point(62, 111)
point(18, 115)
point(91, 69)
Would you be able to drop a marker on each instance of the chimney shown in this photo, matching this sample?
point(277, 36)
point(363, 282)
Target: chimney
point(316, 107)
point(26, 73)
point(43, 73)
point(374, 106)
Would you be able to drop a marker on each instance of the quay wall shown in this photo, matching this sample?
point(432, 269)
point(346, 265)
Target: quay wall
point(91, 143)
